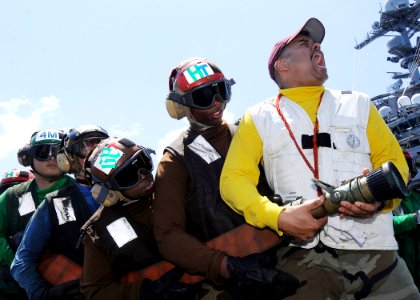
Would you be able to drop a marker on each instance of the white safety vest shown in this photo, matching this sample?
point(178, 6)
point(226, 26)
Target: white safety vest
point(344, 116)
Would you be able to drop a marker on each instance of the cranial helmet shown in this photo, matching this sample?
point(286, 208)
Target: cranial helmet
point(195, 83)
point(117, 164)
point(78, 142)
point(14, 177)
point(42, 146)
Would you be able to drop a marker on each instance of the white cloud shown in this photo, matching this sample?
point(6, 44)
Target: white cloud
point(129, 131)
point(19, 118)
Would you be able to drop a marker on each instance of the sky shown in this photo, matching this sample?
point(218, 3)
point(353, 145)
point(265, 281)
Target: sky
point(68, 63)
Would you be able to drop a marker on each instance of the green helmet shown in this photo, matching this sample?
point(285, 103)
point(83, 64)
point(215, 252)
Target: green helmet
point(45, 143)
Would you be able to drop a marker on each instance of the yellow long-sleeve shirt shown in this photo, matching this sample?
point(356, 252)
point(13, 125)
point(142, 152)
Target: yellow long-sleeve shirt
point(240, 173)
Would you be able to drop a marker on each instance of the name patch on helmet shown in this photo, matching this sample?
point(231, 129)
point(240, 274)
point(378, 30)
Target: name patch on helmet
point(47, 135)
point(197, 72)
point(121, 231)
point(108, 159)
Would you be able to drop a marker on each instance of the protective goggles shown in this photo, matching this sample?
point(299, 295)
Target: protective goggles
point(43, 152)
point(128, 174)
point(203, 96)
point(84, 146)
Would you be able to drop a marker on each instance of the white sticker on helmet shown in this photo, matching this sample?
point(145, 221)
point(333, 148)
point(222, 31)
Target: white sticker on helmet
point(197, 72)
point(108, 159)
point(26, 204)
point(50, 134)
point(202, 148)
point(121, 231)
point(64, 210)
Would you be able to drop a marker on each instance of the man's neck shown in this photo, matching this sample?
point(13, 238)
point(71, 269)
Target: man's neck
point(43, 183)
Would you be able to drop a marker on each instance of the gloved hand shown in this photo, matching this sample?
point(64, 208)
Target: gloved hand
point(255, 277)
point(69, 291)
point(168, 287)
point(14, 240)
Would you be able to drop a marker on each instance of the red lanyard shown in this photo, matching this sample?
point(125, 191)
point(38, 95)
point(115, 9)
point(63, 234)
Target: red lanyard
point(314, 169)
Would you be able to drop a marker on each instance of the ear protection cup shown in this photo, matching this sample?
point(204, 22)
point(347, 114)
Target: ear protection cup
point(66, 163)
point(24, 156)
point(175, 110)
point(63, 162)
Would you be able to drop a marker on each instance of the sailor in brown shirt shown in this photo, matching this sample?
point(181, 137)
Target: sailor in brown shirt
point(188, 210)
point(119, 240)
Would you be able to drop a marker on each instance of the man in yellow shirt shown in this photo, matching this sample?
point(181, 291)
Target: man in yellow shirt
point(309, 131)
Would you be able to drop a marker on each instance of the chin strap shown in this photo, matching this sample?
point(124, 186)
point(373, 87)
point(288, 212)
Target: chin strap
point(107, 197)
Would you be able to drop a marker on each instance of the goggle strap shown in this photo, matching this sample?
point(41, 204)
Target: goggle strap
point(232, 81)
point(149, 150)
point(174, 96)
point(102, 194)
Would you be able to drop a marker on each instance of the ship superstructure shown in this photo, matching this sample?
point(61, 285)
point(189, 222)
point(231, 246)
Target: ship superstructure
point(400, 105)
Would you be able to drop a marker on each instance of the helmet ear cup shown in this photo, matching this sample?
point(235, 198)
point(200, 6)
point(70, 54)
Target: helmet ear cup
point(24, 156)
point(175, 110)
point(65, 162)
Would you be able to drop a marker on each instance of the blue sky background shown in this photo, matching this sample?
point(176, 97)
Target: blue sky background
point(68, 63)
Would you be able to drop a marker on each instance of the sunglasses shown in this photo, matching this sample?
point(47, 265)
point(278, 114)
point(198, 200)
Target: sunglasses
point(43, 152)
point(203, 96)
point(84, 146)
point(129, 173)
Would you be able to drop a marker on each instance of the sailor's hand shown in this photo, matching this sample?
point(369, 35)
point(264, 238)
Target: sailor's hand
point(298, 222)
point(358, 209)
point(256, 277)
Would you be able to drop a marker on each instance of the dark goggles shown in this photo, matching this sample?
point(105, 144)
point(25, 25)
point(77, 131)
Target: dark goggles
point(44, 152)
point(203, 96)
point(84, 146)
point(128, 174)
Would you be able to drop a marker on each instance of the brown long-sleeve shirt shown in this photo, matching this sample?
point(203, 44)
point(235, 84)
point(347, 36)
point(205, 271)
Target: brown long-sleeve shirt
point(169, 212)
point(98, 279)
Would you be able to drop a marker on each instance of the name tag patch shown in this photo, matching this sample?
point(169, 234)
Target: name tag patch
point(202, 148)
point(26, 204)
point(121, 231)
point(64, 210)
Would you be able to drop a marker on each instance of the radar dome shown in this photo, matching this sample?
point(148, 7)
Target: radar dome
point(403, 101)
point(415, 99)
point(385, 111)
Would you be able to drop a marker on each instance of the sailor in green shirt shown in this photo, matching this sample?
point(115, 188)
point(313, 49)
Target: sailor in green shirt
point(407, 231)
point(19, 202)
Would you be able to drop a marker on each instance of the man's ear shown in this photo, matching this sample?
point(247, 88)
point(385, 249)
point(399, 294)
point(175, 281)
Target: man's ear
point(280, 65)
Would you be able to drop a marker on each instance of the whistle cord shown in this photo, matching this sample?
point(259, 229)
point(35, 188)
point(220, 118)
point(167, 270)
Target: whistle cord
point(314, 169)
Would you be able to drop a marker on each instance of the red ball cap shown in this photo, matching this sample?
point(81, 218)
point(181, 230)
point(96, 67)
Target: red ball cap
point(315, 30)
